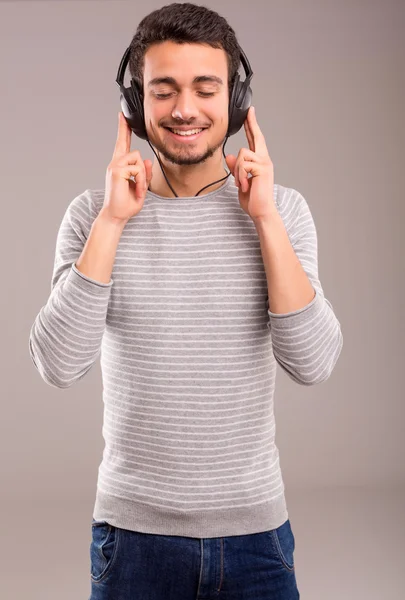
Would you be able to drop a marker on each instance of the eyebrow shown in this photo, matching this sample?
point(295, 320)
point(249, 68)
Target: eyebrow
point(198, 79)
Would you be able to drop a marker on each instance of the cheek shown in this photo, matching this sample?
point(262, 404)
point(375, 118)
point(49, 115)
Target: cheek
point(152, 119)
point(153, 114)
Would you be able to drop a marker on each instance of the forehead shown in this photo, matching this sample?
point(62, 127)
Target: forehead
point(184, 62)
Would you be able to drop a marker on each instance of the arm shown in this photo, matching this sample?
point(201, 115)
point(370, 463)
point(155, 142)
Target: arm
point(66, 335)
point(306, 334)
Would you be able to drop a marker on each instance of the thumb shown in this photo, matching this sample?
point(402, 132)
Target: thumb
point(230, 161)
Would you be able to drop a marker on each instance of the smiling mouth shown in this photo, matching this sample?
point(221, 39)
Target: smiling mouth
point(186, 137)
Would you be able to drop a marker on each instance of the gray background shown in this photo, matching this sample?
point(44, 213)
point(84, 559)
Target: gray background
point(328, 88)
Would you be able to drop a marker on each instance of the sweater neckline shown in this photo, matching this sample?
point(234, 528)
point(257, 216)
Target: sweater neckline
point(219, 190)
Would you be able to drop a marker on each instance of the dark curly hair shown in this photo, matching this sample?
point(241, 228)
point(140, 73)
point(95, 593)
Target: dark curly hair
point(183, 23)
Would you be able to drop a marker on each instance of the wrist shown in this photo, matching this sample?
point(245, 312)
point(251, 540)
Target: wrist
point(106, 217)
point(267, 219)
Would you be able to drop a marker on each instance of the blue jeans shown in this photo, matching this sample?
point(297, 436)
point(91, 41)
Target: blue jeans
point(131, 565)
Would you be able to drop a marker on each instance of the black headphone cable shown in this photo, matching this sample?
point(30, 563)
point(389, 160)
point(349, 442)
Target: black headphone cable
point(164, 174)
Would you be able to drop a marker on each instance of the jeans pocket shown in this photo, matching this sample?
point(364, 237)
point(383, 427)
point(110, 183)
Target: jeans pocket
point(103, 549)
point(283, 544)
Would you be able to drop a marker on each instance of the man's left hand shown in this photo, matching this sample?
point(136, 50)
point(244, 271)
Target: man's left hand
point(256, 192)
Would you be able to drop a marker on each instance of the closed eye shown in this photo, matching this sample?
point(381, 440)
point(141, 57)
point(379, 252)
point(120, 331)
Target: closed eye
point(163, 96)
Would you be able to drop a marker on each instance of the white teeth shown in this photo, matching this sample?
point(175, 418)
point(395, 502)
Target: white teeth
point(190, 132)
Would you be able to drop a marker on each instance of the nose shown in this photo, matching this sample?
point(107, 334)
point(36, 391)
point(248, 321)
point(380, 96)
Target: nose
point(185, 107)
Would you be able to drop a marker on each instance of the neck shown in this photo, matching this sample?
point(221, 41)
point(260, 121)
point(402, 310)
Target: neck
point(186, 180)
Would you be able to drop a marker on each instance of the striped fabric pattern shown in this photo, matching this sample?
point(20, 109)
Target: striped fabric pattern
point(188, 353)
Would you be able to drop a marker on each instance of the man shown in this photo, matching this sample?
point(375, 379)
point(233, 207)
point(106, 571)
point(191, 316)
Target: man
point(193, 300)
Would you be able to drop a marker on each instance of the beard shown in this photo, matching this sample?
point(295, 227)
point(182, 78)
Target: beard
point(184, 154)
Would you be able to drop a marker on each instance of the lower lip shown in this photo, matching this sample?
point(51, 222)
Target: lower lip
point(185, 138)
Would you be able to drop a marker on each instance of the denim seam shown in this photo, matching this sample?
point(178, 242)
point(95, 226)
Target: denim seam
point(113, 558)
point(275, 538)
point(201, 566)
point(221, 541)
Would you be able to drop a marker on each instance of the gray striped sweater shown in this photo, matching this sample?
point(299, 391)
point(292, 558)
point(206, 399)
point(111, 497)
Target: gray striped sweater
point(188, 352)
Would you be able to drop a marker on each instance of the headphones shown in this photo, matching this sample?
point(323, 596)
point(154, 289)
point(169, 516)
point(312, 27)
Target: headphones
point(131, 98)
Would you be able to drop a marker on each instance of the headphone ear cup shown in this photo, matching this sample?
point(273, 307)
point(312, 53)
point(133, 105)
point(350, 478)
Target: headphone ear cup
point(231, 107)
point(240, 103)
point(132, 107)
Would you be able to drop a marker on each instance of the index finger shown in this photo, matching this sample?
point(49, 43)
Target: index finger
point(123, 142)
point(258, 137)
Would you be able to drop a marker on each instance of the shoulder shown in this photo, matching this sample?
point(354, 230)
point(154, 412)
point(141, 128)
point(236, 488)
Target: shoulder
point(295, 213)
point(88, 203)
point(288, 199)
point(84, 208)
point(81, 212)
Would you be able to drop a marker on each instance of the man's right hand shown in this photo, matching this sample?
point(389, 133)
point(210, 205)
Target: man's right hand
point(124, 197)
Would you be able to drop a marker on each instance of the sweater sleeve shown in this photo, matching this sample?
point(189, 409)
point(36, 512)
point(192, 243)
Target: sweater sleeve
point(306, 342)
point(66, 335)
